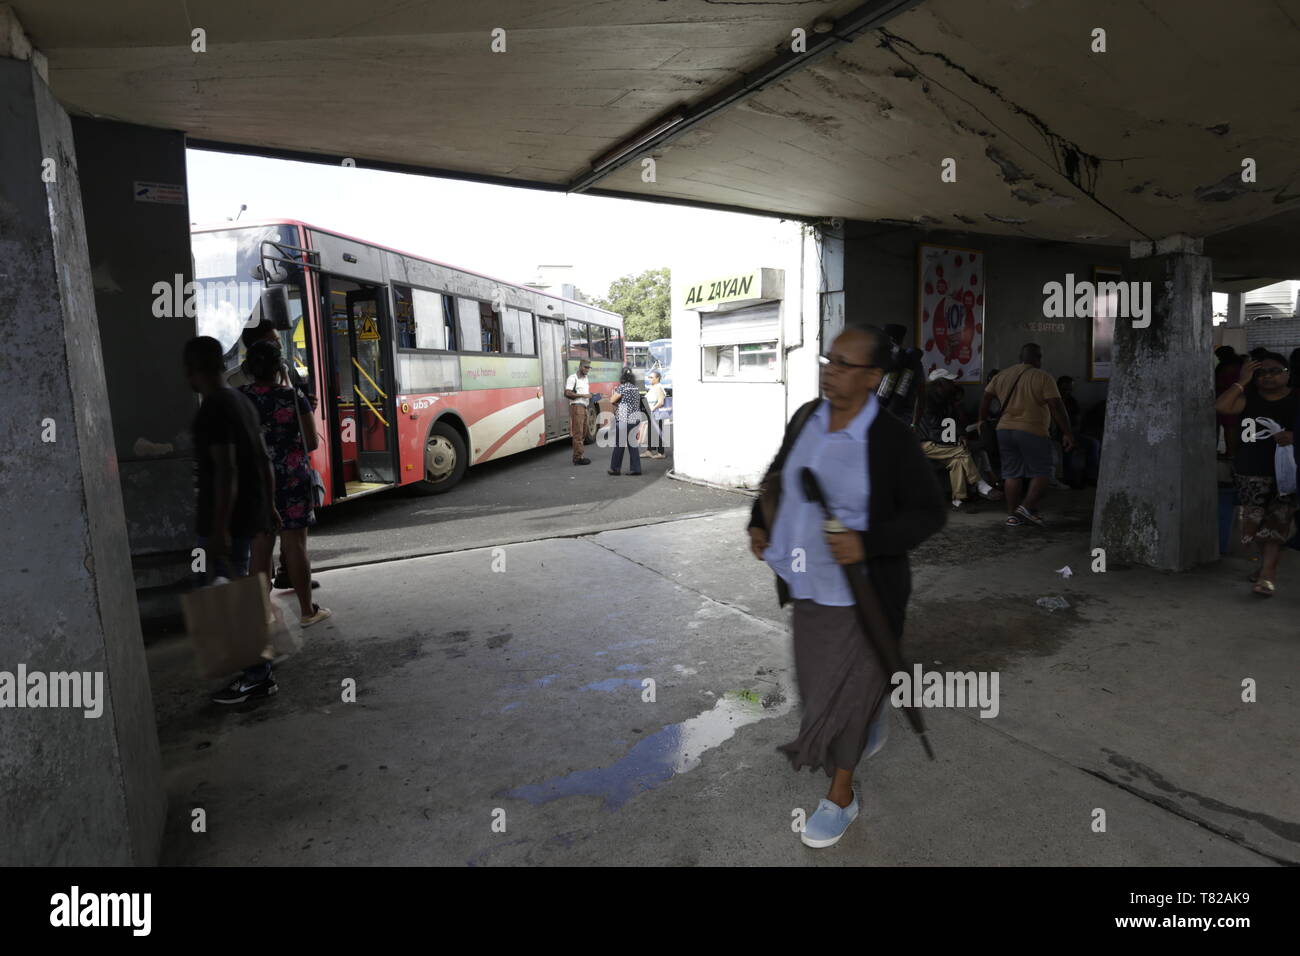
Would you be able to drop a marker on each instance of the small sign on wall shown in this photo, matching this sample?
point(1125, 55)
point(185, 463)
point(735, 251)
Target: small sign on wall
point(169, 193)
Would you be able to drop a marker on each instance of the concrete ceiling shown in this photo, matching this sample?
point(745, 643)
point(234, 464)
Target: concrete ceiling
point(1051, 140)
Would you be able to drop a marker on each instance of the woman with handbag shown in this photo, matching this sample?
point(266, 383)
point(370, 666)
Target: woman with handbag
point(1262, 397)
point(627, 402)
point(290, 434)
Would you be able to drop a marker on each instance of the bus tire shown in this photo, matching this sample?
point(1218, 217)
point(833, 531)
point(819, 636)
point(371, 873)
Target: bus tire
point(445, 460)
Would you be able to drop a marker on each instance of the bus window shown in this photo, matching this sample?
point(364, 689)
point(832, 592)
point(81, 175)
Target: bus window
point(526, 342)
point(490, 324)
point(469, 327)
point(599, 342)
point(578, 340)
point(616, 347)
point(404, 317)
point(510, 331)
point(430, 330)
point(449, 323)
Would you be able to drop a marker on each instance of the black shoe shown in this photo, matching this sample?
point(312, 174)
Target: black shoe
point(613, 472)
point(240, 691)
point(582, 461)
point(634, 474)
point(281, 582)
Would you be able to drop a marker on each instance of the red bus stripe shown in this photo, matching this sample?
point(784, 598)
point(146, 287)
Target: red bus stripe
point(507, 436)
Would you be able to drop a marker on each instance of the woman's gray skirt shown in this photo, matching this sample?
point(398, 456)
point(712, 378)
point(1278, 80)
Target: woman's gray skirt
point(842, 686)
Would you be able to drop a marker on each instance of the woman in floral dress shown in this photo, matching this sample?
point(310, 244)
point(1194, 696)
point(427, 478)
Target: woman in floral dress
point(290, 434)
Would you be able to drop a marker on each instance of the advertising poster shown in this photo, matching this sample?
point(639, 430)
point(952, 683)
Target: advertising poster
point(950, 326)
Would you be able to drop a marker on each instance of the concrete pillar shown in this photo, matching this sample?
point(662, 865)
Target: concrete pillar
point(73, 789)
point(831, 291)
point(150, 425)
point(1236, 311)
point(1157, 494)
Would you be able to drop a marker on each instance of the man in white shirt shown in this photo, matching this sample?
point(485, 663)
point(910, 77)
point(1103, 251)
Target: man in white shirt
point(578, 391)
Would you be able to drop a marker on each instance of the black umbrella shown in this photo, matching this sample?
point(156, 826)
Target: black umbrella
point(871, 616)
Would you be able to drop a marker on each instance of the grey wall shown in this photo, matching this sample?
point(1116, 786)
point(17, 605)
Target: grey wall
point(72, 790)
point(880, 280)
point(132, 245)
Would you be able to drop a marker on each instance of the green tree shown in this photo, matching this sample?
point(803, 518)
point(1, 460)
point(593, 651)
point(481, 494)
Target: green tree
point(645, 304)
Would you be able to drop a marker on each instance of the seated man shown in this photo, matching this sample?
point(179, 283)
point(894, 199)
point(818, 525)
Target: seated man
point(1078, 467)
point(942, 440)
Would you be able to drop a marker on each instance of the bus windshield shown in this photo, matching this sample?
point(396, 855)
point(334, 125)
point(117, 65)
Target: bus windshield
point(223, 272)
point(662, 352)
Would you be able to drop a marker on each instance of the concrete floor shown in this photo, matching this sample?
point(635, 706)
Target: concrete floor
point(533, 495)
point(516, 694)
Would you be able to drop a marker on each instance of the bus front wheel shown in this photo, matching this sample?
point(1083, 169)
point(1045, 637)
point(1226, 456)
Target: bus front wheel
point(445, 460)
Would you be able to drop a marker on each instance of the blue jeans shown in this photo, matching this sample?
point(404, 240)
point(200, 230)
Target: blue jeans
point(241, 551)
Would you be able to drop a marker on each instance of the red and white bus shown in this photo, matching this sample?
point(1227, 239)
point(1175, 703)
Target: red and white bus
point(421, 369)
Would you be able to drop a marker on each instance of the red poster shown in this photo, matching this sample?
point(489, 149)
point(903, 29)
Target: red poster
point(950, 326)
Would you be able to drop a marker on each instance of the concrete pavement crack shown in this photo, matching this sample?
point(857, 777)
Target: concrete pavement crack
point(1163, 803)
point(1170, 806)
point(685, 587)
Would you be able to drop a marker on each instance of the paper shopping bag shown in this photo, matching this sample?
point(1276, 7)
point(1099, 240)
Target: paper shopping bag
point(228, 625)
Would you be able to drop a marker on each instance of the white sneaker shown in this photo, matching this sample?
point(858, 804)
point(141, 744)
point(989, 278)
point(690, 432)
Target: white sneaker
point(828, 823)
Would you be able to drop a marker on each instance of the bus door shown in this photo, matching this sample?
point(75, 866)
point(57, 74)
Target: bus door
point(551, 349)
point(363, 432)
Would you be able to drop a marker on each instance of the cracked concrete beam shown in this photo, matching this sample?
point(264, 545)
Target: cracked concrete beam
point(16, 45)
point(1162, 247)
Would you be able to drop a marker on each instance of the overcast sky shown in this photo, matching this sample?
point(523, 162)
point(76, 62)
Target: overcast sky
point(504, 232)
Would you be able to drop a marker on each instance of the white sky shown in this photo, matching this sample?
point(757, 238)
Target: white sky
point(498, 230)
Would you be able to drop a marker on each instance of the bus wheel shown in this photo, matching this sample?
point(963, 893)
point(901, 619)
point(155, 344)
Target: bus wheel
point(445, 460)
point(593, 425)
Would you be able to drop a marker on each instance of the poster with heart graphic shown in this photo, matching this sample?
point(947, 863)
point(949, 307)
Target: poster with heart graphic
point(950, 325)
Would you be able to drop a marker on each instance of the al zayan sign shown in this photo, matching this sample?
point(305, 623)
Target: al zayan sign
point(747, 285)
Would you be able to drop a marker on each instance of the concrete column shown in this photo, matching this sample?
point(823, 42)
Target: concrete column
point(73, 789)
point(831, 289)
point(151, 425)
point(1236, 311)
point(1156, 498)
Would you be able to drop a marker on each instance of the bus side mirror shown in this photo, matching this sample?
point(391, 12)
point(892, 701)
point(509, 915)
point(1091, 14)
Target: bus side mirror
point(275, 307)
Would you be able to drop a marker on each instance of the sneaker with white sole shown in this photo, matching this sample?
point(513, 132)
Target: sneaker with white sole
point(241, 690)
point(828, 823)
point(317, 615)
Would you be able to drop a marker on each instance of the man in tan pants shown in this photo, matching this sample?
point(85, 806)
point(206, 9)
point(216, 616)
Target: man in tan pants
point(941, 441)
point(578, 391)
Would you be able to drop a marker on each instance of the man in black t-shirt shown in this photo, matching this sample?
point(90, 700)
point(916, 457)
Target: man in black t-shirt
point(236, 500)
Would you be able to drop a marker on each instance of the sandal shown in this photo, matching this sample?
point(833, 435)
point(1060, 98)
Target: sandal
point(1013, 521)
point(1264, 587)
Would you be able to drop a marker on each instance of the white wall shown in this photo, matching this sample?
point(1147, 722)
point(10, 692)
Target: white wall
point(727, 432)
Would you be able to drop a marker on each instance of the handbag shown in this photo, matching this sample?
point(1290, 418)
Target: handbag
point(228, 624)
point(1284, 469)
